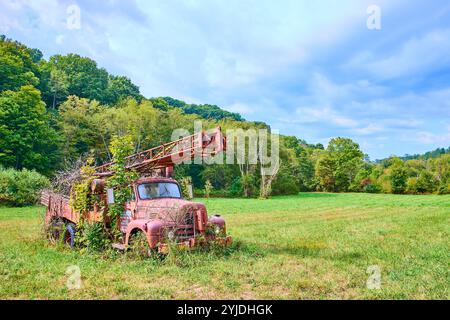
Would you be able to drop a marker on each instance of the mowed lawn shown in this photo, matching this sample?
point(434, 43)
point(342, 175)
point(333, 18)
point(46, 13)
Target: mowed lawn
point(310, 246)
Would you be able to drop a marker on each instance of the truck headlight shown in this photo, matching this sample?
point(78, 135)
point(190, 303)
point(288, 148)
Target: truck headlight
point(217, 229)
point(171, 235)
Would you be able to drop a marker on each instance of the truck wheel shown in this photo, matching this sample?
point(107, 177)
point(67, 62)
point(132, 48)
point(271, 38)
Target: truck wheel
point(69, 235)
point(138, 245)
point(54, 230)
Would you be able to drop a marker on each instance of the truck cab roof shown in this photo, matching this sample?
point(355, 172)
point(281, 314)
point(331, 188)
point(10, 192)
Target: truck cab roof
point(155, 179)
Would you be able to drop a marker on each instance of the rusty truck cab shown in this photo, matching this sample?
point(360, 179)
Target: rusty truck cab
point(157, 209)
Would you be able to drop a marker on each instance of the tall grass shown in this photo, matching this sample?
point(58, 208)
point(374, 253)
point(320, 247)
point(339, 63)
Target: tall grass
point(310, 246)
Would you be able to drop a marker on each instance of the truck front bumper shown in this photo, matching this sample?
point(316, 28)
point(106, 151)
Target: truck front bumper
point(164, 248)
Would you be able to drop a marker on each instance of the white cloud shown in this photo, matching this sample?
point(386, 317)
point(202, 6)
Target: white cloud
point(425, 53)
point(321, 88)
point(323, 115)
point(228, 70)
point(371, 128)
point(241, 108)
point(431, 138)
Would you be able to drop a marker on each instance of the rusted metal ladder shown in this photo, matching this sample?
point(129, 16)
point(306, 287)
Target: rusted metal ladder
point(201, 144)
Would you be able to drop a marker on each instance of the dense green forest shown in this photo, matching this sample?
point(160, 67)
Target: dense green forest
point(55, 111)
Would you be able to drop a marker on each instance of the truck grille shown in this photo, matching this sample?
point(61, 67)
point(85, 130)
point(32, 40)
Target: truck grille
point(182, 231)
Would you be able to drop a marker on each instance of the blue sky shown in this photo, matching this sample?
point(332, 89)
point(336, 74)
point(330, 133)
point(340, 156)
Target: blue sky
point(308, 68)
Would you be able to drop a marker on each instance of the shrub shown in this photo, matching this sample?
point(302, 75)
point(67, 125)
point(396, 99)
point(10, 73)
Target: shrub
point(426, 183)
point(398, 179)
point(444, 188)
point(411, 185)
point(186, 185)
point(21, 188)
point(235, 189)
point(360, 184)
point(372, 188)
point(285, 186)
point(285, 182)
point(384, 182)
point(208, 188)
point(92, 236)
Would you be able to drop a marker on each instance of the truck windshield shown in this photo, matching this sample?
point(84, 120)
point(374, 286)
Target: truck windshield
point(157, 190)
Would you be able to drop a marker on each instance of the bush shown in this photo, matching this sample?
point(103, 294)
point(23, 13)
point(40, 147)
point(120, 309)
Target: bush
point(444, 188)
point(285, 185)
point(186, 184)
point(235, 189)
point(426, 183)
point(411, 185)
point(398, 179)
point(372, 188)
point(384, 181)
point(92, 236)
point(21, 188)
point(208, 188)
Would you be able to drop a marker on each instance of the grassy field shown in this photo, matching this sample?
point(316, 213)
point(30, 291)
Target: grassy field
point(310, 246)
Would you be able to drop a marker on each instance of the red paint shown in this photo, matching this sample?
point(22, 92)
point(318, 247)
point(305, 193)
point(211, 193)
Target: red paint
point(160, 218)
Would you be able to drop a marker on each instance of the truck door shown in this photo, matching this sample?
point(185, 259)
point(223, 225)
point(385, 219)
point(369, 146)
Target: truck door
point(129, 212)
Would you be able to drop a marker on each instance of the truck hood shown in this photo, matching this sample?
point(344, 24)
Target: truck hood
point(167, 208)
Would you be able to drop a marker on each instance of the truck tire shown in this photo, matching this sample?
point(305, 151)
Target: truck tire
point(138, 245)
point(69, 236)
point(54, 230)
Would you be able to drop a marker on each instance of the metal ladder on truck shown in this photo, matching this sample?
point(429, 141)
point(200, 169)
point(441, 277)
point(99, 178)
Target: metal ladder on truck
point(199, 145)
point(162, 158)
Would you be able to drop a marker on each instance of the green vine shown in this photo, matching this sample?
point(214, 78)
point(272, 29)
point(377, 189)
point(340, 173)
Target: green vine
point(89, 236)
point(120, 180)
point(94, 235)
point(81, 198)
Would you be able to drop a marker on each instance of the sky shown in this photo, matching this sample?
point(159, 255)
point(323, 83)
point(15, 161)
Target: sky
point(313, 69)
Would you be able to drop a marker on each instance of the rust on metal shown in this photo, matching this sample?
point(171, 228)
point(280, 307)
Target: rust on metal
point(166, 218)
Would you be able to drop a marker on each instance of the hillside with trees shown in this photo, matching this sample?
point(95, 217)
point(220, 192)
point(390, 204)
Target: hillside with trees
point(206, 111)
point(56, 111)
point(427, 155)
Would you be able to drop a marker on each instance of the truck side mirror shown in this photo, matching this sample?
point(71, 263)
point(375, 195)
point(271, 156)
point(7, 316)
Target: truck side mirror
point(110, 196)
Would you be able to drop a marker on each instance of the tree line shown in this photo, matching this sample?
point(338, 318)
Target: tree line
point(55, 111)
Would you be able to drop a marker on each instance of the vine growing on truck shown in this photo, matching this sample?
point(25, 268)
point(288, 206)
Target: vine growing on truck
point(81, 197)
point(88, 235)
point(120, 180)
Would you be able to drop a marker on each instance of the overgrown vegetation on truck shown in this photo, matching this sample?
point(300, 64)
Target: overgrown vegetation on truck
point(132, 203)
point(99, 235)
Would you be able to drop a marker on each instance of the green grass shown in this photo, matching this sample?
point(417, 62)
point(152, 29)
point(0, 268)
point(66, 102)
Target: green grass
point(310, 246)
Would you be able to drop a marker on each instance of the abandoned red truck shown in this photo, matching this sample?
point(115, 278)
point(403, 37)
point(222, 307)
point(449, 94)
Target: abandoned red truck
point(156, 211)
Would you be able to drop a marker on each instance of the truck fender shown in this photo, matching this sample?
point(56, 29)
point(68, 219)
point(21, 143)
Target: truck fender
point(151, 228)
point(218, 221)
